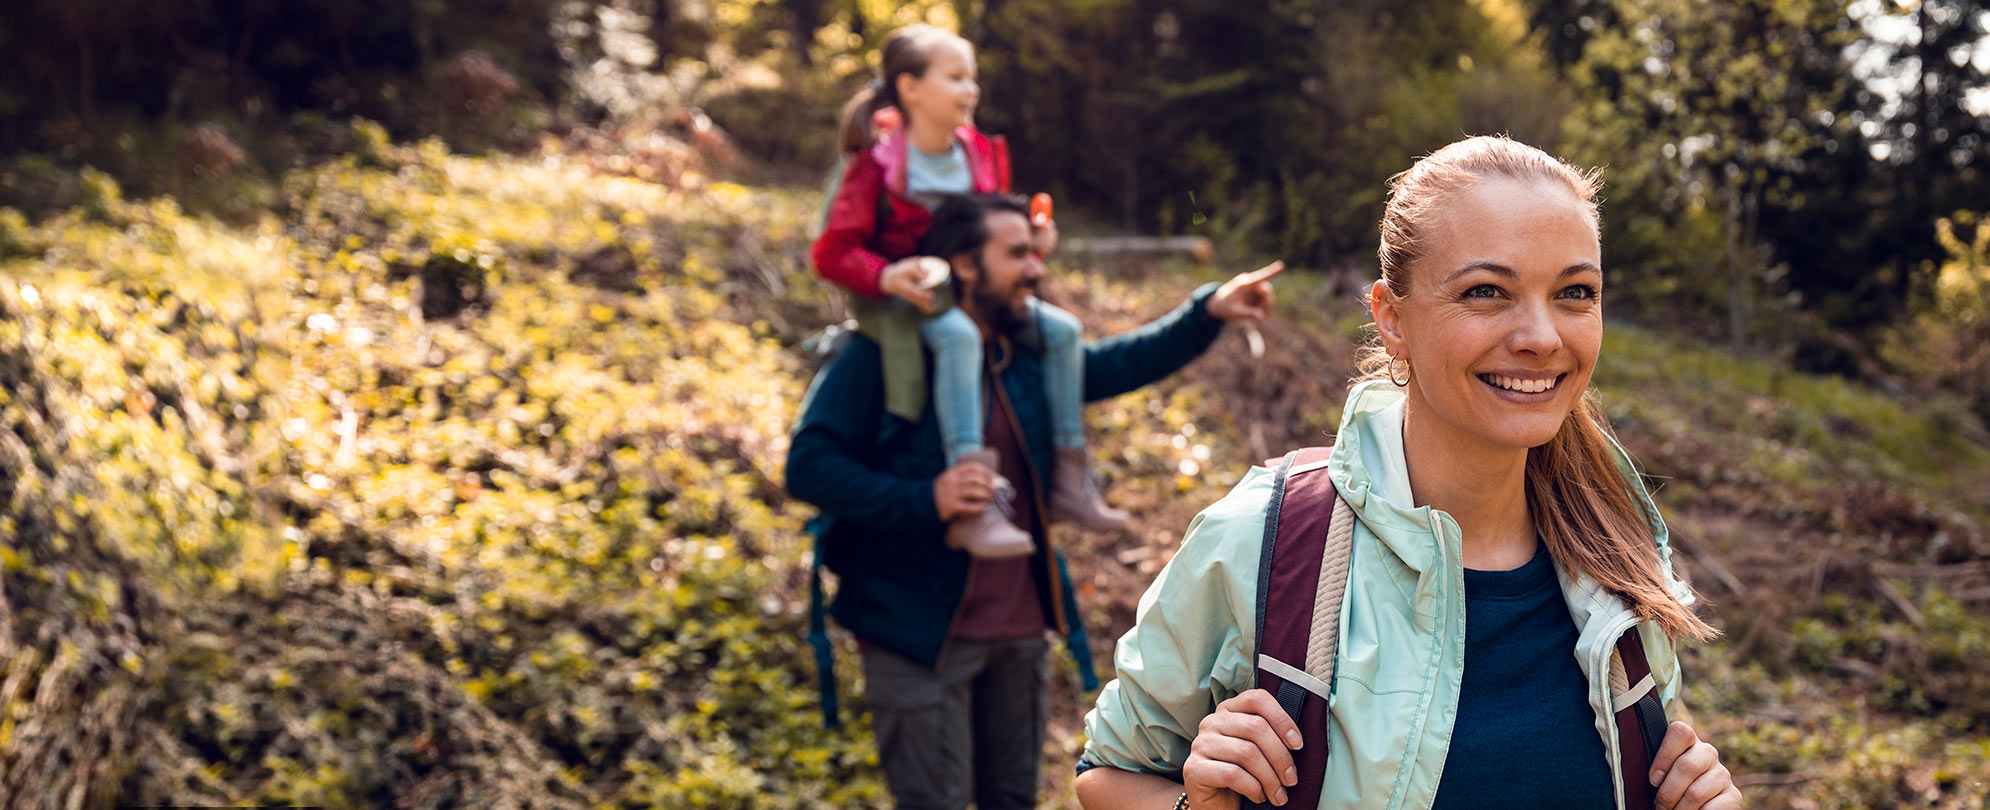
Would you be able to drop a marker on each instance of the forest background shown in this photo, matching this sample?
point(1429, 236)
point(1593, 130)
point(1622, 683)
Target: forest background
point(395, 394)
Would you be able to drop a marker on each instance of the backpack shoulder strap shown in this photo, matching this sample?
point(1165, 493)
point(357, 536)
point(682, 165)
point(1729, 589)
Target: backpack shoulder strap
point(1302, 578)
point(1641, 722)
point(818, 633)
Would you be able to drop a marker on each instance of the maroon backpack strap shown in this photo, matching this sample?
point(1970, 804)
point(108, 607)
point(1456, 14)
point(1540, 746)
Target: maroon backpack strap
point(1289, 572)
point(1640, 723)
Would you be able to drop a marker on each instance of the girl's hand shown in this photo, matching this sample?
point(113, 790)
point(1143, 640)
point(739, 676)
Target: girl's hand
point(1242, 750)
point(1045, 238)
point(902, 279)
point(1689, 773)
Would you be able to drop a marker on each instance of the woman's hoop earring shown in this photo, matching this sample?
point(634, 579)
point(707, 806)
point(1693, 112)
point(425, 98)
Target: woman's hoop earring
point(1392, 371)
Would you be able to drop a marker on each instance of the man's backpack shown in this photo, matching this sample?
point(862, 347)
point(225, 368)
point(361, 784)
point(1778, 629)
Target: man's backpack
point(1302, 580)
point(826, 345)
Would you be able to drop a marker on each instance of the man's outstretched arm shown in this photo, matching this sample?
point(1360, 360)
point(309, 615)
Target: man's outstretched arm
point(1129, 360)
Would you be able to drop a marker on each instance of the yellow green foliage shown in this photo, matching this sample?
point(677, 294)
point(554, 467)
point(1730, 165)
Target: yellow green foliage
point(138, 465)
point(290, 536)
point(1946, 343)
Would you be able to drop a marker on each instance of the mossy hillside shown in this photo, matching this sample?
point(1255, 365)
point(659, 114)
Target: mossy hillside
point(511, 542)
point(137, 465)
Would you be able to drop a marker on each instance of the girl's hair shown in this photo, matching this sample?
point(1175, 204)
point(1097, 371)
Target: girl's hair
point(1580, 499)
point(906, 51)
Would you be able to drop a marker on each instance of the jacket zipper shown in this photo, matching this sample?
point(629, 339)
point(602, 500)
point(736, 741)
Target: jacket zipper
point(1443, 634)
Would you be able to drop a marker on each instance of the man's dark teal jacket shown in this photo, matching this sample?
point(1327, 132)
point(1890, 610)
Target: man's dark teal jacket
point(872, 475)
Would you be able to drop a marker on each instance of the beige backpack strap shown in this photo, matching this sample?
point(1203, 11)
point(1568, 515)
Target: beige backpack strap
point(1324, 645)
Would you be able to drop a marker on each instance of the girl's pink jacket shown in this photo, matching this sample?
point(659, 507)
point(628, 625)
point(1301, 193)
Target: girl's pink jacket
point(872, 223)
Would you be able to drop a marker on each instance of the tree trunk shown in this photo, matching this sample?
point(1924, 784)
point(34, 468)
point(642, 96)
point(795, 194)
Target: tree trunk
point(804, 16)
point(1738, 292)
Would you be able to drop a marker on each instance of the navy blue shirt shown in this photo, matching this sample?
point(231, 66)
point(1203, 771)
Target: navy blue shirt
point(1525, 736)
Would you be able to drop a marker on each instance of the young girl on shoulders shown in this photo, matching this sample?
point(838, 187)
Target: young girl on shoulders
point(909, 142)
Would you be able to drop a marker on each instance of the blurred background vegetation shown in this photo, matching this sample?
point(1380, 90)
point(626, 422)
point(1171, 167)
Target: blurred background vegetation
point(395, 393)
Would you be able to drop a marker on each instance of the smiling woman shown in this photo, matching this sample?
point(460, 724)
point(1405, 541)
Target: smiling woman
point(1491, 296)
point(1508, 626)
point(1503, 342)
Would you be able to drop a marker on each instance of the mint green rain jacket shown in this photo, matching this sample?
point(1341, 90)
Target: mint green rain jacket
point(1402, 627)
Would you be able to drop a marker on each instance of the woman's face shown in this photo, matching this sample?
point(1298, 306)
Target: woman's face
point(947, 93)
point(1502, 323)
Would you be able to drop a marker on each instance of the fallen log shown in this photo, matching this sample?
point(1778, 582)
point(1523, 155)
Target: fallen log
point(1197, 247)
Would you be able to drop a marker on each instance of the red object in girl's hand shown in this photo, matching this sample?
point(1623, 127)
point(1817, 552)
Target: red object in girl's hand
point(1039, 209)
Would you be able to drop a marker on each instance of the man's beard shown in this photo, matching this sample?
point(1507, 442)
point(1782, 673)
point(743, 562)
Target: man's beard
point(1002, 317)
